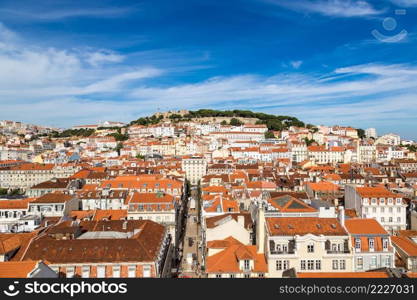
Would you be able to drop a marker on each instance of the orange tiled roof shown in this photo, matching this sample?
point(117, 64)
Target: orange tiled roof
point(227, 261)
point(17, 269)
point(323, 186)
point(364, 226)
point(110, 214)
point(305, 225)
point(375, 192)
point(405, 244)
point(15, 204)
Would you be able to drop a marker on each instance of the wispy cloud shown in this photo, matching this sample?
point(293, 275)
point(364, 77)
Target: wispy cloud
point(28, 72)
point(405, 3)
point(296, 64)
point(104, 56)
point(332, 8)
point(53, 14)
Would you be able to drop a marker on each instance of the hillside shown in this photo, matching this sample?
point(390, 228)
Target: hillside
point(273, 122)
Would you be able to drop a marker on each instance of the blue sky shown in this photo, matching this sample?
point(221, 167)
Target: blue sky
point(325, 61)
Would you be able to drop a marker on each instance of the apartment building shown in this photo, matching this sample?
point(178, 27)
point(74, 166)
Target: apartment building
point(100, 249)
point(158, 207)
point(386, 207)
point(195, 168)
point(24, 176)
point(53, 205)
point(307, 244)
point(372, 247)
point(102, 199)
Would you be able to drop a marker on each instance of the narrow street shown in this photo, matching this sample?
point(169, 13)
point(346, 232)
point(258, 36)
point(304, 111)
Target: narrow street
point(191, 256)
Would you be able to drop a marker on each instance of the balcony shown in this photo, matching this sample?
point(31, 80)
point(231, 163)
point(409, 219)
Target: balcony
point(276, 252)
point(345, 251)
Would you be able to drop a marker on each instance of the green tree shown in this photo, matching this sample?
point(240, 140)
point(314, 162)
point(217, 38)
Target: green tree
point(361, 133)
point(235, 122)
point(269, 135)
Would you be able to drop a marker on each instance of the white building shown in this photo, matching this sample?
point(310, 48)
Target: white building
point(379, 203)
point(195, 168)
point(371, 132)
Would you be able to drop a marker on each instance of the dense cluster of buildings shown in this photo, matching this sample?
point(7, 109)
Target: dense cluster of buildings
point(200, 198)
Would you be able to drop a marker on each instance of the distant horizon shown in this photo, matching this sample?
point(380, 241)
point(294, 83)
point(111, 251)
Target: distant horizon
point(174, 110)
point(347, 62)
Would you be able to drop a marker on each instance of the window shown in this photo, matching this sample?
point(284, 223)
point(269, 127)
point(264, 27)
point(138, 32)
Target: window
point(278, 265)
point(398, 219)
point(131, 271)
point(101, 271)
point(335, 264)
point(342, 264)
point(390, 220)
point(232, 275)
point(310, 248)
point(303, 265)
point(358, 244)
point(398, 209)
point(262, 275)
point(385, 244)
point(85, 272)
point(116, 271)
point(247, 275)
point(359, 263)
point(398, 200)
point(218, 275)
point(70, 272)
point(146, 271)
point(388, 261)
point(373, 261)
point(371, 244)
point(246, 264)
point(310, 264)
point(383, 209)
point(382, 219)
point(318, 264)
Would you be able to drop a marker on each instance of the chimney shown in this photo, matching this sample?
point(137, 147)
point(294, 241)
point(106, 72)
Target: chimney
point(341, 216)
point(260, 229)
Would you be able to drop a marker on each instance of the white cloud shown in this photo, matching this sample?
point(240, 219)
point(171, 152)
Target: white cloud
point(103, 56)
point(53, 14)
point(28, 72)
point(405, 3)
point(296, 63)
point(333, 8)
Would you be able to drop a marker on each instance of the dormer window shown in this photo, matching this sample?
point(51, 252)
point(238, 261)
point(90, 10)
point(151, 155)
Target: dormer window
point(371, 244)
point(385, 244)
point(373, 200)
point(358, 244)
point(246, 264)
